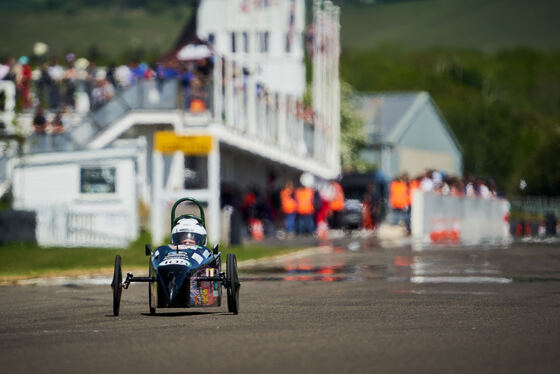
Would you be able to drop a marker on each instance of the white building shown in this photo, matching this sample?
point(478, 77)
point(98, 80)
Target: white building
point(266, 37)
point(84, 198)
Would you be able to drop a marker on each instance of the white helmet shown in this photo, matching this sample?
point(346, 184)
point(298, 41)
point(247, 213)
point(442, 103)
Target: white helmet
point(188, 231)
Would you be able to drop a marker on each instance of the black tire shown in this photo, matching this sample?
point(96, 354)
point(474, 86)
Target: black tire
point(152, 307)
point(233, 284)
point(116, 285)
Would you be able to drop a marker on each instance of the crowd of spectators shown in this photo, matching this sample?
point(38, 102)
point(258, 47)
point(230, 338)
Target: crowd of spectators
point(68, 85)
point(296, 208)
point(293, 209)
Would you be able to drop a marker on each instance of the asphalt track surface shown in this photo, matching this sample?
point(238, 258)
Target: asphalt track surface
point(360, 310)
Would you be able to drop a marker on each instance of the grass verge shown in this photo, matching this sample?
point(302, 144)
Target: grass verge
point(23, 260)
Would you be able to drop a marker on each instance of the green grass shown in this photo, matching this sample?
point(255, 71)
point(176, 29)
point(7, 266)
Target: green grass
point(27, 260)
point(92, 31)
point(487, 25)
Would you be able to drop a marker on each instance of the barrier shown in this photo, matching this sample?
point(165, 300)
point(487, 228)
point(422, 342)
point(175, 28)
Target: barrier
point(17, 226)
point(448, 219)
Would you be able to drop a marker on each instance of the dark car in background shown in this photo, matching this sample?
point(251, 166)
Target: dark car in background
point(356, 186)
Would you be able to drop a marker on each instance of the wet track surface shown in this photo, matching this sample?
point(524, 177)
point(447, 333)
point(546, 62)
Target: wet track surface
point(354, 306)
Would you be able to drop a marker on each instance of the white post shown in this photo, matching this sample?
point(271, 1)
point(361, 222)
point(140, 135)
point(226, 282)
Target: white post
point(282, 115)
point(229, 93)
point(335, 130)
point(214, 189)
point(157, 202)
point(318, 75)
point(176, 177)
point(251, 103)
point(218, 86)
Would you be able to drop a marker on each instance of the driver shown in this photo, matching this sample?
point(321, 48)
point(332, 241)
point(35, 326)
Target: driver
point(188, 231)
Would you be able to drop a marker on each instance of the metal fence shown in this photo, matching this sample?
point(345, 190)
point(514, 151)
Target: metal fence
point(535, 207)
point(61, 226)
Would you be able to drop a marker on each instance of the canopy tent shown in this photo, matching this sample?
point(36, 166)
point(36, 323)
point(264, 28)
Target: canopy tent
point(188, 47)
point(191, 52)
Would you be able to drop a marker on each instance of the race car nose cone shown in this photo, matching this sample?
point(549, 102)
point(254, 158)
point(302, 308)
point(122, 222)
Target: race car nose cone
point(172, 279)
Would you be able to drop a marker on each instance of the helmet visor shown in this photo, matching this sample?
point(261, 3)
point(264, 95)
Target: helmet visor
point(188, 238)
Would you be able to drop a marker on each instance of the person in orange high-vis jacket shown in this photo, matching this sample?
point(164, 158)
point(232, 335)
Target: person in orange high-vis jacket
point(305, 209)
point(289, 205)
point(336, 204)
point(399, 199)
point(412, 186)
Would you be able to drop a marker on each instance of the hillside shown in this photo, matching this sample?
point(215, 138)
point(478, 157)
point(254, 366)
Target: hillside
point(487, 25)
point(115, 33)
point(102, 33)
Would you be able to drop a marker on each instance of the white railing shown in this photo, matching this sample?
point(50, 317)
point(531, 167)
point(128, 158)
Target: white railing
point(62, 226)
point(246, 107)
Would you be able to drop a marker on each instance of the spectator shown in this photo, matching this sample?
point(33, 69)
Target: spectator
point(336, 204)
point(123, 76)
point(44, 84)
point(305, 197)
point(111, 75)
point(40, 123)
point(399, 199)
point(427, 184)
point(103, 91)
point(56, 74)
point(482, 190)
point(322, 211)
point(10, 74)
point(413, 186)
point(69, 81)
point(4, 70)
point(289, 206)
point(469, 187)
point(456, 187)
point(58, 126)
point(23, 81)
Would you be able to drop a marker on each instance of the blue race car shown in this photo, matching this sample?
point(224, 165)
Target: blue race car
point(185, 273)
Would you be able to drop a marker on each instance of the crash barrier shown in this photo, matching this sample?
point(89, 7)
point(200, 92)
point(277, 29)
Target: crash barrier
point(448, 219)
point(62, 226)
point(17, 226)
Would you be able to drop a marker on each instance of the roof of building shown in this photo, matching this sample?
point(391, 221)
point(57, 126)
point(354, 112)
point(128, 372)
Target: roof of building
point(387, 115)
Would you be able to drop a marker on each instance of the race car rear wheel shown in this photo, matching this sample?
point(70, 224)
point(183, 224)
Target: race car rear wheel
point(233, 284)
point(116, 285)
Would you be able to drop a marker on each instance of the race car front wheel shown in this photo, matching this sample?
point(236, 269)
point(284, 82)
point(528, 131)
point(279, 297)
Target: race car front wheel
point(151, 296)
point(233, 284)
point(116, 285)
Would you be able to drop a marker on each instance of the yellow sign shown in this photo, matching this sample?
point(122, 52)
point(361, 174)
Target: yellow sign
point(169, 142)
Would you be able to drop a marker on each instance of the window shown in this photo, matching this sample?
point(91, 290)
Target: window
point(98, 179)
point(233, 46)
point(289, 42)
point(245, 42)
point(211, 39)
point(265, 41)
